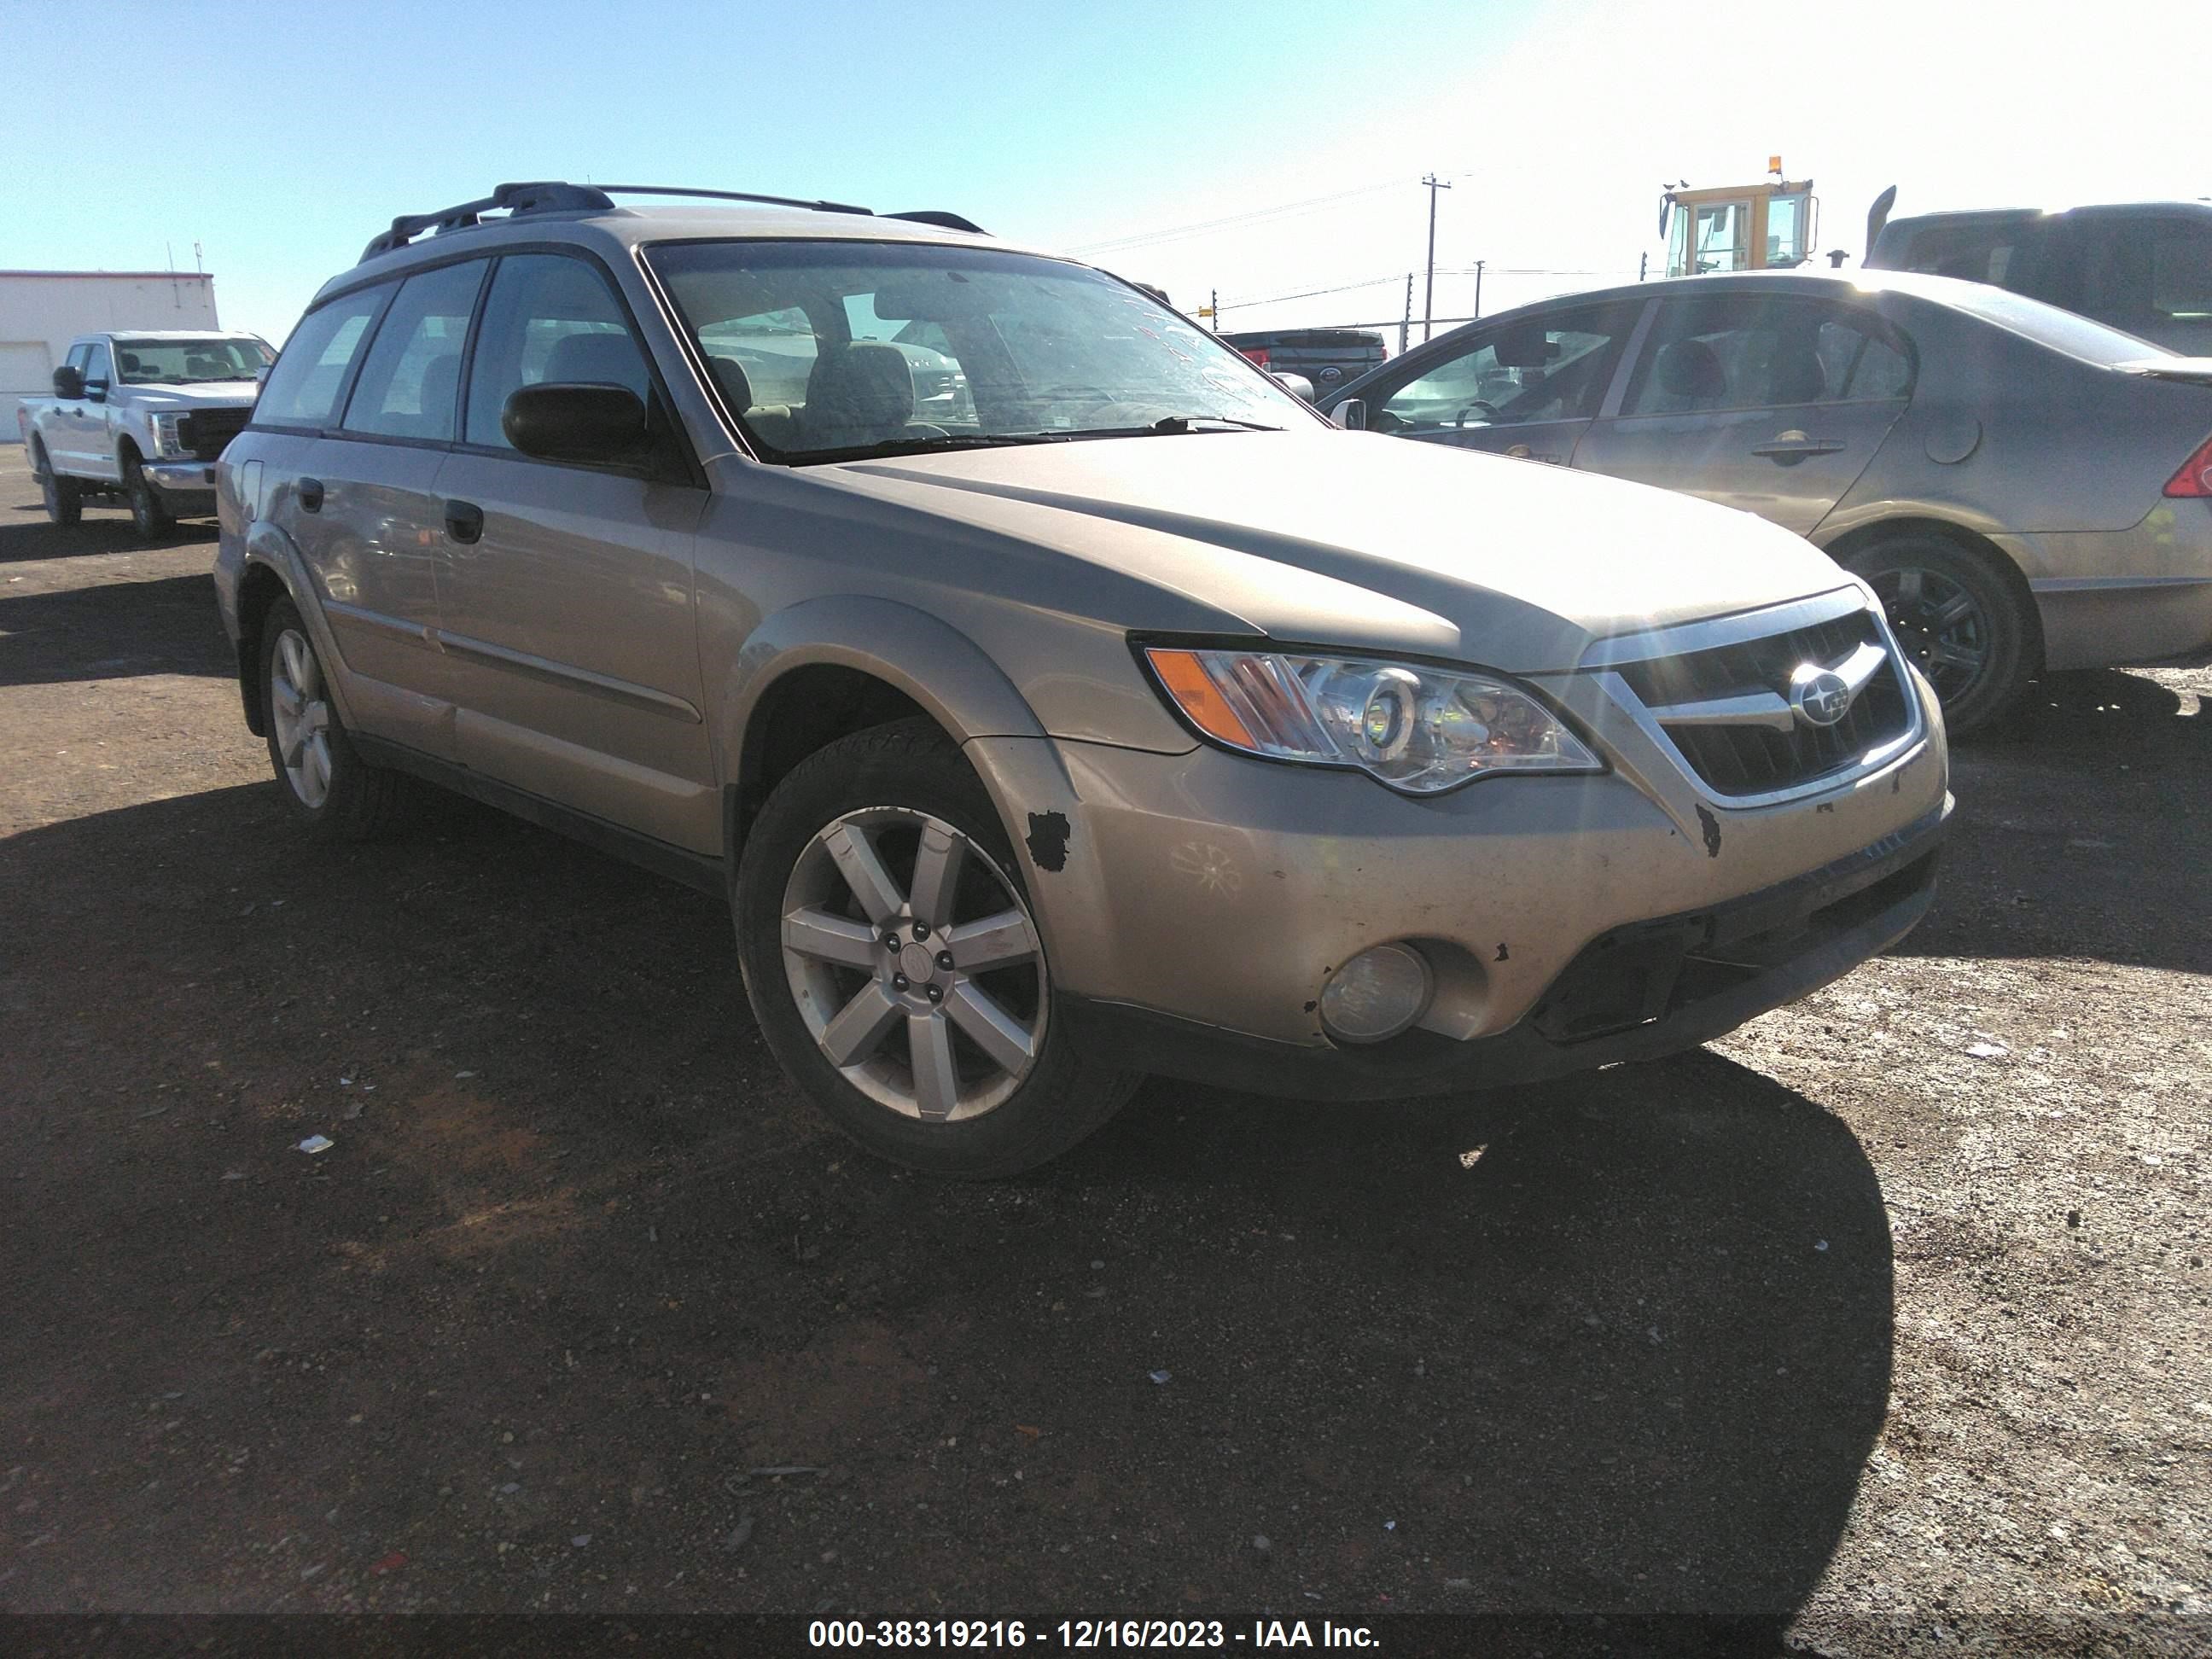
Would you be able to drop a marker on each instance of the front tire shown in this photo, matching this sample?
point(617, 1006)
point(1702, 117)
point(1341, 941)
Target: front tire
point(1960, 622)
point(150, 514)
point(63, 497)
point(331, 792)
point(893, 960)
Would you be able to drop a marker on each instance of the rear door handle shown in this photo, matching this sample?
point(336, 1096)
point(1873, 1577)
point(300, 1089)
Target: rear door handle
point(1795, 447)
point(310, 495)
point(464, 520)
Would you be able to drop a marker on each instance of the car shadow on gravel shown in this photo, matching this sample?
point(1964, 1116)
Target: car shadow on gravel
point(27, 535)
point(1617, 1342)
point(1641, 1320)
point(112, 629)
point(2080, 832)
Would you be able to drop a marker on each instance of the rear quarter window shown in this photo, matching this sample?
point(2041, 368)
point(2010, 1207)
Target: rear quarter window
point(302, 390)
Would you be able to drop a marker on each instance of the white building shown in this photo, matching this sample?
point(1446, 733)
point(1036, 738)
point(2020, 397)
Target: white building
point(42, 311)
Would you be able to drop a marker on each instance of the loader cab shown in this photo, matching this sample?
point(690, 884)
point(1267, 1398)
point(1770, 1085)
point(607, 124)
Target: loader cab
point(1759, 227)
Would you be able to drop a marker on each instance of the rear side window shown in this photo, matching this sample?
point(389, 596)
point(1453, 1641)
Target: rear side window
point(1999, 252)
point(549, 319)
point(411, 381)
point(2181, 272)
point(1763, 351)
point(302, 390)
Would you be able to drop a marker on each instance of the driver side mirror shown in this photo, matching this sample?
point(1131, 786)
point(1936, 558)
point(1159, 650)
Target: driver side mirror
point(69, 381)
point(599, 425)
point(1296, 384)
point(1351, 415)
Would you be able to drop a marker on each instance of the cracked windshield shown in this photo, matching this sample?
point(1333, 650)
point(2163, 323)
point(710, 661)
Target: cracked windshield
point(825, 351)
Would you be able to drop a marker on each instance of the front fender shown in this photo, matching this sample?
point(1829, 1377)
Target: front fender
point(951, 677)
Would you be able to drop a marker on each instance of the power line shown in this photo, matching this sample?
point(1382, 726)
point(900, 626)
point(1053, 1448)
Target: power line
point(1149, 238)
point(1378, 282)
point(1307, 293)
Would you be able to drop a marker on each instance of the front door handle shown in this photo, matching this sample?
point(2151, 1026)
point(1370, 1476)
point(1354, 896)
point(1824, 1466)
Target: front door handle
point(310, 495)
point(1792, 446)
point(464, 520)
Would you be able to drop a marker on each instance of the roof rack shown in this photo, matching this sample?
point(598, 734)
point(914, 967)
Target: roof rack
point(551, 196)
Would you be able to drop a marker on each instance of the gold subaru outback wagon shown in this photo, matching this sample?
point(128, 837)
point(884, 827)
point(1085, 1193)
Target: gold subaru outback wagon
point(1055, 697)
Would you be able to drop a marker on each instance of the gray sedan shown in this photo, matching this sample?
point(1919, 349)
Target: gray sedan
point(2025, 488)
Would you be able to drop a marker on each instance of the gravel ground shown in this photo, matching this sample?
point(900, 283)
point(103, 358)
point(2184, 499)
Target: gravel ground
point(1880, 1324)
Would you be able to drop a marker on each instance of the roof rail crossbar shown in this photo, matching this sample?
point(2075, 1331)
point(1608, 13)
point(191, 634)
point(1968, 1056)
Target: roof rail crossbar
point(551, 196)
point(941, 219)
point(733, 196)
point(537, 196)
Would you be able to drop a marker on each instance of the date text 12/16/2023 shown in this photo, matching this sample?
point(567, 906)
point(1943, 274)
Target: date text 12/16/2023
point(1077, 1635)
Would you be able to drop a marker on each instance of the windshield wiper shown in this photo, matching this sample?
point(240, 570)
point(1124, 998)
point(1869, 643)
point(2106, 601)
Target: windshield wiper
point(1170, 426)
point(923, 445)
point(1173, 423)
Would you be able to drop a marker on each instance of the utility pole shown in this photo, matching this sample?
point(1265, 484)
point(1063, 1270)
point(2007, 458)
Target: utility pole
point(1478, 288)
point(1428, 305)
point(1405, 328)
point(1643, 261)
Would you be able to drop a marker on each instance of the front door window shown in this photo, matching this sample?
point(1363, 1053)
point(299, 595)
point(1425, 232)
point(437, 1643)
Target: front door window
point(1549, 369)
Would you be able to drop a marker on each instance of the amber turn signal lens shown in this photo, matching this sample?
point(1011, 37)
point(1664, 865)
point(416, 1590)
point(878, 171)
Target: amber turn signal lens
point(1199, 699)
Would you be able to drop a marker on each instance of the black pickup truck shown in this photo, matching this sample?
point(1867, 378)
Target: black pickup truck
point(1329, 357)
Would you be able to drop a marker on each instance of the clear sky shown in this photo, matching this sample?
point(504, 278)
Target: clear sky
point(279, 137)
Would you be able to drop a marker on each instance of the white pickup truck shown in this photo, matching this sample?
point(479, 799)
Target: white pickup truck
point(142, 415)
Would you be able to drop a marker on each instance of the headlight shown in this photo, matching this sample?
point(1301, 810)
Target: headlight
point(1418, 729)
point(168, 434)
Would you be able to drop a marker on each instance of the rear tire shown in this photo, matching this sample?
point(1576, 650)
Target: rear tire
point(150, 514)
point(957, 1070)
point(1961, 623)
point(331, 793)
point(63, 497)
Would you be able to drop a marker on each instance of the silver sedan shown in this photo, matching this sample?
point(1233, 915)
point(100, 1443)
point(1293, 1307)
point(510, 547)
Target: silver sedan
point(2025, 488)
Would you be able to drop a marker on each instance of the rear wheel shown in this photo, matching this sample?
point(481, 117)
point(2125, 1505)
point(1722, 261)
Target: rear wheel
point(64, 498)
point(329, 789)
point(1961, 623)
point(150, 514)
point(895, 967)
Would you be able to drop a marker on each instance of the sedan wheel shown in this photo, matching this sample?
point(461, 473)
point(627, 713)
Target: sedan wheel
point(1968, 625)
point(1941, 626)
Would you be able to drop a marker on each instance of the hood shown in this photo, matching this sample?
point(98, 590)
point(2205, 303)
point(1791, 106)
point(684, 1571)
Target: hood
point(1367, 542)
point(212, 394)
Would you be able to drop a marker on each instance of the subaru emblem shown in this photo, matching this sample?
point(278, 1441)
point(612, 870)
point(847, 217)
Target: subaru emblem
point(1817, 695)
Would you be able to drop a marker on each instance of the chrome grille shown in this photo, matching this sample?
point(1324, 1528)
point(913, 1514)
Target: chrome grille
point(1727, 710)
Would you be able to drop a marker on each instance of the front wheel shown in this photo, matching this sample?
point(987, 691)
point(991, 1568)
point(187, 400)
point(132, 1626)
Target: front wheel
point(63, 497)
point(894, 964)
point(1961, 623)
point(150, 514)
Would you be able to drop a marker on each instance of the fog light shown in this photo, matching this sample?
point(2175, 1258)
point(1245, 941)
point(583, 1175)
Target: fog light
point(1377, 995)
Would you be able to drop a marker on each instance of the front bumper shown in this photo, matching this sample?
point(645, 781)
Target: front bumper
point(1204, 899)
point(182, 478)
point(1636, 992)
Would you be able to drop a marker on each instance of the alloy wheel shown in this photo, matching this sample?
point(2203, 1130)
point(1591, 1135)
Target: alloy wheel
point(300, 705)
point(1939, 624)
point(915, 964)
